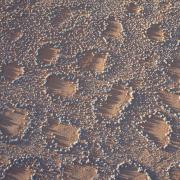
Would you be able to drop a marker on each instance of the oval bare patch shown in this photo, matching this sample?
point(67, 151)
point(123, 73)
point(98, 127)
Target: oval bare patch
point(131, 173)
point(173, 100)
point(114, 29)
point(60, 87)
point(119, 97)
point(174, 69)
point(13, 121)
point(18, 173)
point(93, 62)
point(12, 71)
point(156, 33)
point(134, 8)
point(65, 135)
point(48, 55)
point(80, 172)
point(157, 129)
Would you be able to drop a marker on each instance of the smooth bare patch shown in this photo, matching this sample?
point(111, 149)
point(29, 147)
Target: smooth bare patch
point(12, 71)
point(13, 121)
point(80, 172)
point(131, 173)
point(60, 87)
point(65, 135)
point(174, 173)
point(94, 62)
point(114, 29)
point(48, 55)
point(156, 33)
point(171, 99)
point(175, 68)
point(157, 129)
point(18, 173)
point(119, 96)
point(134, 8)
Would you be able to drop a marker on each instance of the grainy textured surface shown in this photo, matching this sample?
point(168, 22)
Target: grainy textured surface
point(89, 89)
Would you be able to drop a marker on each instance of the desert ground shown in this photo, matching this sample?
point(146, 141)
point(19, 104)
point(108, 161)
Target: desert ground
point(89, 90)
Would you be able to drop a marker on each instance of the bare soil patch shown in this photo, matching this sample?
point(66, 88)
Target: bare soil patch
point(95, 62)
point(134, 8)
point(65, 135)
point(118, 97)
point(60, 87)
point(18, 173)
point(48, 55)
point(156, 33)
point(172, 99)
point(114, 28)
point(80, 172)
point(131, 173)
point(157, 129)
point(12, 71)
point(13, 121)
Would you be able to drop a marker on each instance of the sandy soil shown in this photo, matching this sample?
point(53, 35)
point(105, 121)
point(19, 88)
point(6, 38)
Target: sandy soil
point(89, 89)
point(13, 121)
point(65, 135)
point(18, 173)
point(12, 71)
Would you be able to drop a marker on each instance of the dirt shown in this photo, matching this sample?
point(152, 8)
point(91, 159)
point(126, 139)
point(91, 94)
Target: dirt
point(89, 89)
